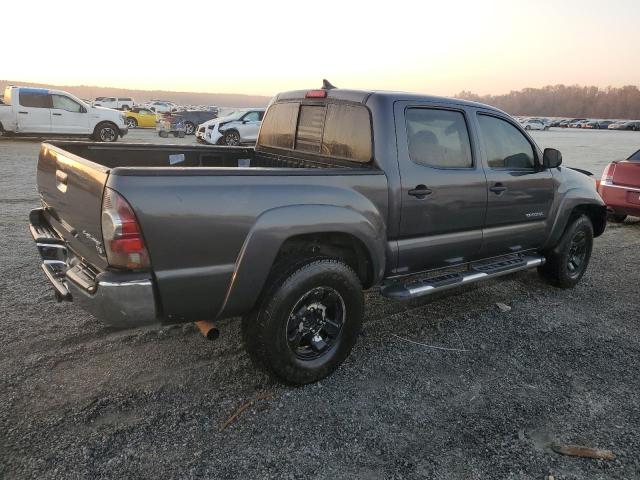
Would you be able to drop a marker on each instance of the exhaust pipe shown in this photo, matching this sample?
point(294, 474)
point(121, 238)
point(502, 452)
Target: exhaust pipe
point(208, 329)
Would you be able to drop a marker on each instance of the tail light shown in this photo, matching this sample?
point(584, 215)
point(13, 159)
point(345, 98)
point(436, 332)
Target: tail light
point(607, 175)
point(121, 234)
point(316, 94)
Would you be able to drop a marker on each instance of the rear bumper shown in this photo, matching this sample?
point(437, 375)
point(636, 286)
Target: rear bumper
point(121, 299)
point(621, 199)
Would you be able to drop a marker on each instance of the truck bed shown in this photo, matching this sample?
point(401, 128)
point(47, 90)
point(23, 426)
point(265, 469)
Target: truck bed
point(166, 159)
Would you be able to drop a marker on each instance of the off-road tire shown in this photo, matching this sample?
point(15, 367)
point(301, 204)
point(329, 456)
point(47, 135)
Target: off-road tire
point(264, 330)
point(557, 269)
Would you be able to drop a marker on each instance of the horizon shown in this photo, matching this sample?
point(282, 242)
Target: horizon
point(492, 47)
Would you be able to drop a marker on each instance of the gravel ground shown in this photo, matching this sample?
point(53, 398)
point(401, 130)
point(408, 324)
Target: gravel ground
point(82, 401)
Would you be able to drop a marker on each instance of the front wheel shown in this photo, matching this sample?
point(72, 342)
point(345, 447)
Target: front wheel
point(106, 132)
point(132, 122)
point(307, 321)
point(232, 138)
point(568, 261)
point(189, 128)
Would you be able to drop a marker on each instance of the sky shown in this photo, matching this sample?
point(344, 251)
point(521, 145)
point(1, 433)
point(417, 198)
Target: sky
point(263, 47)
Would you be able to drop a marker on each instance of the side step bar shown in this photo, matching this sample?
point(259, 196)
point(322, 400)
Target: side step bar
point(477, 272)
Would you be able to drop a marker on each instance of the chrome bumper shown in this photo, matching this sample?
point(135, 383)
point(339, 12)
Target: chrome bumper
point(120, 299)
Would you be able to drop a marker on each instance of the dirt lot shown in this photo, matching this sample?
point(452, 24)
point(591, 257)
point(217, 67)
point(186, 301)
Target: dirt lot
point(82, 401)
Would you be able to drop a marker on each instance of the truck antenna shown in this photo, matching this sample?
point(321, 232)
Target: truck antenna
point(326, 85)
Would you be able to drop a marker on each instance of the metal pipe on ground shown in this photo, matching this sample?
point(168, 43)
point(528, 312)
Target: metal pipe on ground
point(208, 329)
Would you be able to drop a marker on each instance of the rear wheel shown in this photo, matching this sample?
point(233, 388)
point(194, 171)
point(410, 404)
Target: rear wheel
point(568, 261)
point(232, 137)
point(106, 132)
point(307, 321)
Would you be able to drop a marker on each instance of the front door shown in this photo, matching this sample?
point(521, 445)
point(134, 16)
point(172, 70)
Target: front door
point(250, 126)
point(444, 191)
point(34, 110)
point(68, 116)
point(519, 190)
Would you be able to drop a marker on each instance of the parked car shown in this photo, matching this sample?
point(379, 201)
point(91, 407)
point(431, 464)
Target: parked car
point(117, 103)
point(160, 106)
point(534, 124)
point(191, 119)
point(620, 188)
point(344, 190)
point(598, 124)
point(626, 125)
point(236, 128)
point(40, 111)
point(577, 123)
point(140, 117)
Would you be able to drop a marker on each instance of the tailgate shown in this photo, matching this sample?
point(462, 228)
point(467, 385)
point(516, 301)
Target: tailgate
point(627, 173)
point(71, 189)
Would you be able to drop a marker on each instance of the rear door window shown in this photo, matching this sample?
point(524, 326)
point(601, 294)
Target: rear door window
point(438, 138)
point(34, 99)
point(506, 147)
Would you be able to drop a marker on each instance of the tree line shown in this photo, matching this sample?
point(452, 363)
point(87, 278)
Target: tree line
point(566, 101)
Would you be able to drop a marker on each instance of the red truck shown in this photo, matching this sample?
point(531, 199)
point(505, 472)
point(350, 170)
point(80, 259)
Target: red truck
point(620, 188)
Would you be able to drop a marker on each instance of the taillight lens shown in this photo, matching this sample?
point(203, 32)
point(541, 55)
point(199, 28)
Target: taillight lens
point(607, 175)
point(122, 234)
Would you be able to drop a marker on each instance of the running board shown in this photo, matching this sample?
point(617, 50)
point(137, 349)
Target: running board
point(477, 272)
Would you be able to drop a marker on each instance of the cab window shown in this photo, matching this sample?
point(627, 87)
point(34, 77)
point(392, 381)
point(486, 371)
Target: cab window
point(438, 138)
point(65, 103)
point(505, 145)
point(34, 99)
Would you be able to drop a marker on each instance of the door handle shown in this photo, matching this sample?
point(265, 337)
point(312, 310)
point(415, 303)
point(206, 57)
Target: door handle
point(498, 188)
point(56, 114)
point(420, 191)
point(24, 113)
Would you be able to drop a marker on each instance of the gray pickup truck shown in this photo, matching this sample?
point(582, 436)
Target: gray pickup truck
point(345, 190)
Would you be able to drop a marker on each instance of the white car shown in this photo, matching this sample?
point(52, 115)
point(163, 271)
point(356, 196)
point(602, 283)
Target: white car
point(238, 127)
point(161, 106)
point(118, 103)
point(40, 111)
point(534, 124)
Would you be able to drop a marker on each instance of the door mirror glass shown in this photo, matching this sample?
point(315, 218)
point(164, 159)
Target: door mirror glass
point(551, 158)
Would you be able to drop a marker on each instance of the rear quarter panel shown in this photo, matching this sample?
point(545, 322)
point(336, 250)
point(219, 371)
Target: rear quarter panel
point(196, 225)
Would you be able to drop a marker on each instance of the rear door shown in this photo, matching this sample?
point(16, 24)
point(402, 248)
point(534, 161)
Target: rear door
point(68, 116)
point(519, 190)
point(444, 190)
point(33, 110)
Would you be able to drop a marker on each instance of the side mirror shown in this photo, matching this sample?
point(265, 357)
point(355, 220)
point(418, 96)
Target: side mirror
point(551, 158)
point(83, 109)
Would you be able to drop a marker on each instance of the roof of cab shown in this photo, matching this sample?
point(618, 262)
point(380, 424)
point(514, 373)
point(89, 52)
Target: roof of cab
point(362, 96)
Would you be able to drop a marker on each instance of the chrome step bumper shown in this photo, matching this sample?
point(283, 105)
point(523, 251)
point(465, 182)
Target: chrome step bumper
point(477, 272)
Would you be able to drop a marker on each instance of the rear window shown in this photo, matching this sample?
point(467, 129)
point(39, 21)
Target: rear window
point(336, 130)
point(279, 126)
point(635, 157)
point(34, 99)
point(310, 123)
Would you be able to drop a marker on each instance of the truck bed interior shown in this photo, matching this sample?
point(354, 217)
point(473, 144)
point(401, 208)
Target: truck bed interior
point(162, 156)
